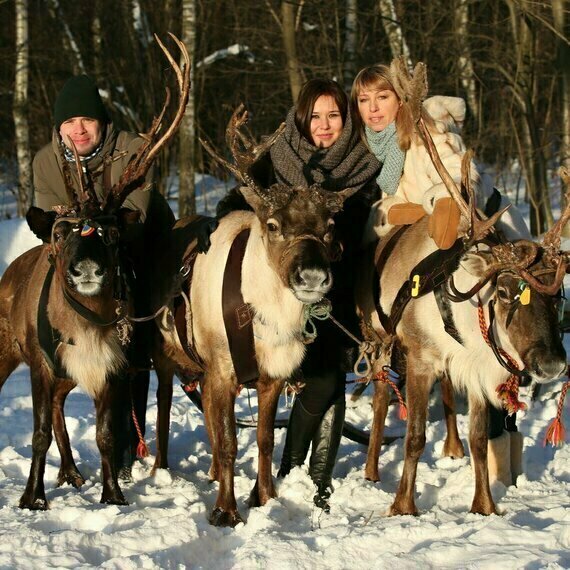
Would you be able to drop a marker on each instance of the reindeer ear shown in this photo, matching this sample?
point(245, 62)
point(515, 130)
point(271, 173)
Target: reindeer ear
point(40, 222)
point(477, 263)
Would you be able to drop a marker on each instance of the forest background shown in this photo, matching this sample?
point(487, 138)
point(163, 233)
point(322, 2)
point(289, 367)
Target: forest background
point(509, 59)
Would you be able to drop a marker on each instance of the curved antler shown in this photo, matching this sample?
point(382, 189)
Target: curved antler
point(135, 172)
point(243, 148)
point(551, 239)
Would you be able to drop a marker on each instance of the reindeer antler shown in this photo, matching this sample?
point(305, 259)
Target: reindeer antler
point(411, 89)
point(135, 172)
point(243, 148)
point(551, 239)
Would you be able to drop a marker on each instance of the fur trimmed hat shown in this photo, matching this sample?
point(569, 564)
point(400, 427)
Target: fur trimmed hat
point(79, 97)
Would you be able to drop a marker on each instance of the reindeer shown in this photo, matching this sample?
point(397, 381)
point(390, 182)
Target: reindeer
point(77, 281)
point(285, 269)
point(496, 315)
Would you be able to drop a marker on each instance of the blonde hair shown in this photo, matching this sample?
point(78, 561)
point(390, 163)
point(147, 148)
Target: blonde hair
point(378, 77)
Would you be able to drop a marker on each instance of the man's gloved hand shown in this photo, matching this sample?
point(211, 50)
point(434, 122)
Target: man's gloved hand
point(205, 228)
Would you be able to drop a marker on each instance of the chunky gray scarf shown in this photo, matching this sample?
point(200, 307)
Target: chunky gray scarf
point(346, 164)
point(386, 149)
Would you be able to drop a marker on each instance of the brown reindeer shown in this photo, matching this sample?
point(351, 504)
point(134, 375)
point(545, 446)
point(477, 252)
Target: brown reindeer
point(75, 284)
point(500, 297)
point(285, 269)
point(476, 315)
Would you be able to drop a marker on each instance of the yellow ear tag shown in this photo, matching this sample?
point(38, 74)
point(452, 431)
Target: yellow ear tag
point(416, 285)
point(525, 296)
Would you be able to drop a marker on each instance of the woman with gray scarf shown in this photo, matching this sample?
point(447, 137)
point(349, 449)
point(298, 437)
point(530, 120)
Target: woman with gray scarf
point(320, 146)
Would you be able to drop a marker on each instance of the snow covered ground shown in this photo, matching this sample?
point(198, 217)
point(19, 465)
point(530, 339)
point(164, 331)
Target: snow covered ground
point(165, 524)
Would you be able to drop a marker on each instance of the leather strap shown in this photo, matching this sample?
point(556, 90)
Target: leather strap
point(238, 316)
point(385, 248)
point(49, 338)
point(179, 309)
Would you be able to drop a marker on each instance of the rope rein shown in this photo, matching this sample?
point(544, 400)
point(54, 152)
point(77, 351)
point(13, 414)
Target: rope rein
point(508, 392)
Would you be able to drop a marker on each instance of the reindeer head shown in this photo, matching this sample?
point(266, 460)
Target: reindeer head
point(297, 223)
point(298, 231)
point(525, 303)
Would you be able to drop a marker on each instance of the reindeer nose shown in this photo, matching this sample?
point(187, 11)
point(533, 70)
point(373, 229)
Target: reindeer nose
point(548, 365)
point(312, 279)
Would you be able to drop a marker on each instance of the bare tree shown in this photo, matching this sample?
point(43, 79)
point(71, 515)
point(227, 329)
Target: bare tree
point(350, 41)
point(288, 30)
point(393, 30)
point(20, 110)
point(187, 133)
point(67, 37)
point(464, 62)
point(524, 88)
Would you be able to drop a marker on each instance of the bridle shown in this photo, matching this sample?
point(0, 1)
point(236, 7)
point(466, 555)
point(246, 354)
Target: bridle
point(106, 228)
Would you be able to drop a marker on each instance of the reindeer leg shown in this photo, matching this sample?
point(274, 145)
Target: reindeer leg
point(453, 447)
point(68, 472)
point(478, 425)
point(380, 404)
point(225, 512)
point(417, 395)
point(34, 496)
point(112, 494)
point(209, 415)
point(268, 397)
point(165, 373)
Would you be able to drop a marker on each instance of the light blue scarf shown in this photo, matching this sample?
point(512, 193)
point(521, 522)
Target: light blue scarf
point(385, 147)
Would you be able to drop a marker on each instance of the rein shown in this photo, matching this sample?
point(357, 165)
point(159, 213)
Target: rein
point(507, 392)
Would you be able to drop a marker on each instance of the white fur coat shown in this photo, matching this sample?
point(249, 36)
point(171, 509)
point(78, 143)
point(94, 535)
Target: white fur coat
point(420, 183)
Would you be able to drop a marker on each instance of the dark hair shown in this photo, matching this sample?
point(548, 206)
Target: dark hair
point(310, 92)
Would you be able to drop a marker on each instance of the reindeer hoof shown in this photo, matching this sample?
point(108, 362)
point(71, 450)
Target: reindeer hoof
point(484, 511)
point(39, 504)
point(71, 477)
point(258, 500)
point(396, 510)
point(219, 517)
point(453, 450)
point(116, 498)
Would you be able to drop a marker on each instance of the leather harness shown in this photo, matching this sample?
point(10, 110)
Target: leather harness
point(238, 315)
point(431, 275)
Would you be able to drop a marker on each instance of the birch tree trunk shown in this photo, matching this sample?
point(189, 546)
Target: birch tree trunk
point(350, 40)
point(20, 110)
point(398, 45)
point(187, 133)
point(464, 62)
point(288, 31)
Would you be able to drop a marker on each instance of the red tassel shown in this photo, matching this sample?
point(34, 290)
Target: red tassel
point(403, 412)
point(556, 433)
point(142, 450)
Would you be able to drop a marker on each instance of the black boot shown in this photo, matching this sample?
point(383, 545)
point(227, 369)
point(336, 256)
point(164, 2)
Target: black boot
point(300, 431)
point(325, 447)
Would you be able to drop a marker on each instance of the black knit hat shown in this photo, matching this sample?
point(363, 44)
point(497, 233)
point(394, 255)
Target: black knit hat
point(79, 97)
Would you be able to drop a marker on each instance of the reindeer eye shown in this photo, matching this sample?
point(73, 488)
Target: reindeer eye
point(504, 295)
point(272, 226)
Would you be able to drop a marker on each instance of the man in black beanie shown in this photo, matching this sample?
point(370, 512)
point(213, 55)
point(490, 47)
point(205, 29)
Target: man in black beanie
point(80, 117)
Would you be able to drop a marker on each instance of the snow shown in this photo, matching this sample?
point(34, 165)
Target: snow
point(165, 525)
